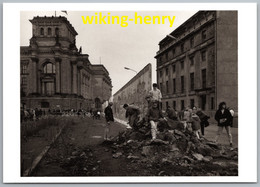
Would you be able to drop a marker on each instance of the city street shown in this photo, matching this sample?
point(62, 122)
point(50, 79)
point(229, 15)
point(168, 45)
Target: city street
point(81, 150)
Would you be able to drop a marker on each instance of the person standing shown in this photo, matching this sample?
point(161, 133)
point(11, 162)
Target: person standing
point(154, 114)
point(186, 118)
point(203, 119)
point(224, 119)
point(195, 124)
point(156, 95)
point(109, 118)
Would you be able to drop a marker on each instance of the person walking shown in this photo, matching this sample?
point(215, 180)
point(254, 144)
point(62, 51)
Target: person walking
point(224, 119)
point(109, 118)
point(154, 114)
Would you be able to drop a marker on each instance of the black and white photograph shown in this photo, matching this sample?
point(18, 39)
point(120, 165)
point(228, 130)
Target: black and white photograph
point(129, 93)
point(75, 123)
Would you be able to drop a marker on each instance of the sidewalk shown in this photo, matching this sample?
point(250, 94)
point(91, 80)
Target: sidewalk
point(211, 132)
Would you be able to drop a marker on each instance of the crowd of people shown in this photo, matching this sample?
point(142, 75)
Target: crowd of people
point(36, 114)
point(192, 118)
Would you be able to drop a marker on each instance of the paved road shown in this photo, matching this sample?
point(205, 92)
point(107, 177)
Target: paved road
point(91, 132)
point(211, 131)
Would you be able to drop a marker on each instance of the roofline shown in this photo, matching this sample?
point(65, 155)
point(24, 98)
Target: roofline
point(184, 23)
point(63, 18)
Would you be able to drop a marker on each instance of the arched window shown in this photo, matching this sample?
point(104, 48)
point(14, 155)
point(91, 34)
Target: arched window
point(49, 31)
point(57, 31)
point(42, 31)
point(49, 68)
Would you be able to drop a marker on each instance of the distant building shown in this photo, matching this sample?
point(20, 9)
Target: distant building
point(197, 63)
point(55, 74)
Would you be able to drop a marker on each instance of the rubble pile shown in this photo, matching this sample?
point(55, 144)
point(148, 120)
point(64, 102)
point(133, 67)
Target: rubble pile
point(175, 152)
point(81, 162)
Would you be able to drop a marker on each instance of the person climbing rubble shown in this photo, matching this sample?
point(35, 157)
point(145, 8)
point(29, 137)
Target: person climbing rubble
point(154, 115)
point(132, 114)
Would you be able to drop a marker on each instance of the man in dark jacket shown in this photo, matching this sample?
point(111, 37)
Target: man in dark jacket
point(223, 117)
point(171, 113)
point(132, 113)
point(109, 118)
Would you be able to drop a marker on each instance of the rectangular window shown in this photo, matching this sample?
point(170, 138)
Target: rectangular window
point(203, 102)
point(173, 52)
point(212, 103)
point(182, 64)
point(203, 35)
point(174, 85)
point(166, 56)
point(161, 87)
point(174, 105)
point(182, 104)
point(203, 55)
point(160, 59)
point(192, 61)
point(24, 81)
point(167, 87)
point(49, 88)
point(161, 73)
point(167, 104)
point(191, 81)
point(24, 69)
point(182, 47)
point(173, 68)
point(204, 78)
point(166, 71)
point(192, 42)
point(182, 84)
point(192, 103)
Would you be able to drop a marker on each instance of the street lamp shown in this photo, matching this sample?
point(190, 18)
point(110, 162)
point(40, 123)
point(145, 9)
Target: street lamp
point(130, 69)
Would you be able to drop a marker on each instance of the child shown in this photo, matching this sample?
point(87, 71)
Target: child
point(195, 124)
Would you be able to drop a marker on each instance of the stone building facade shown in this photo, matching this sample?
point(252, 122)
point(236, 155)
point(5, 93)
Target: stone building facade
point(197, 63)
point(54, 72)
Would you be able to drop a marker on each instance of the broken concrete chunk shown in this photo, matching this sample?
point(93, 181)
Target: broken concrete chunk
point(197, 156)
point(118, 154)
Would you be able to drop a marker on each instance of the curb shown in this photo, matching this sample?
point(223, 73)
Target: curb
point(37, 160)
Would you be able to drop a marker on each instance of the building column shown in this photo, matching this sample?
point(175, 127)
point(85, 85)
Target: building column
point(74, 77)
point(57, 74)
point(35, 74)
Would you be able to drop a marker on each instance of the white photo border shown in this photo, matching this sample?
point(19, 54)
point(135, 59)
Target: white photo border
point(247, 86)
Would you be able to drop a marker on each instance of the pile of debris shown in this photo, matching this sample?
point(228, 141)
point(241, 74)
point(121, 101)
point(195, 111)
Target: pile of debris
point(175, 152)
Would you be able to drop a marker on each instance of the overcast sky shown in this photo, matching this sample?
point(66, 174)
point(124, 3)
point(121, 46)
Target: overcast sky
point(133, 46)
